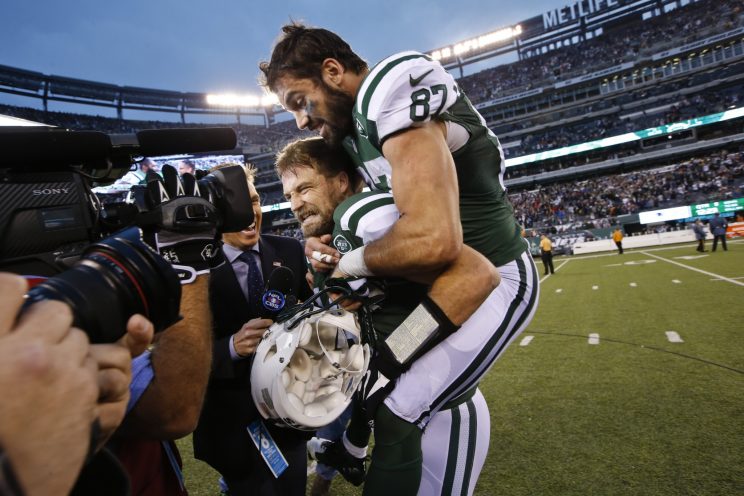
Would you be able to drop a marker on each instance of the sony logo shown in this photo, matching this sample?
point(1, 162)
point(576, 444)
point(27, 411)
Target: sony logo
point(50, 191)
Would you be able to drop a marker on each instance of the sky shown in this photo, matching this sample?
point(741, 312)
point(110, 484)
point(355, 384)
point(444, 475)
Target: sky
point(215, 46)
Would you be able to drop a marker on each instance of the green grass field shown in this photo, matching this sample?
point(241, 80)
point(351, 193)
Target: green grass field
point(634, 414)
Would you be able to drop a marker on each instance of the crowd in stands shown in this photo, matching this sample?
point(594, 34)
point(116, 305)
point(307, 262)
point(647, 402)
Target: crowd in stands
point(611, 48)
point(260, 139)
point(697, 100)
point(569, 161)
point(556, 204)
point(272, 197)
point(291, 231)
point(596, 202)
point(612, 125)
point(625, 44)
point(716, 176)
point(649, 105)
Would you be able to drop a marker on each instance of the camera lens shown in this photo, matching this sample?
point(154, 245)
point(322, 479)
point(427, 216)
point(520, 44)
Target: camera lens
point(114, 279)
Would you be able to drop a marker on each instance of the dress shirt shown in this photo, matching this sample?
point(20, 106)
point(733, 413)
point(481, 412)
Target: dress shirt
point(241, 273)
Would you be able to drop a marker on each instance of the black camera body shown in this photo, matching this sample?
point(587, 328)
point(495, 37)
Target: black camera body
point(46, 221)
point(48, 211)
point(52, 221)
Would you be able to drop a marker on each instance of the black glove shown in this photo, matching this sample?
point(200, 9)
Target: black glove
point(373, 390)
point(185, 231)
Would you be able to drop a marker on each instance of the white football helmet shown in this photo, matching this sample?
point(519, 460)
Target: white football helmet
point(305, 370)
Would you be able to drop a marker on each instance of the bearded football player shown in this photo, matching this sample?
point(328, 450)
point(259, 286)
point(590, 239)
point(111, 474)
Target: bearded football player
point(413, 133)
point(325, 195)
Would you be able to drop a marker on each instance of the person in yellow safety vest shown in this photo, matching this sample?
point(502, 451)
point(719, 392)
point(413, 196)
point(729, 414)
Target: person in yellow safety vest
point(617, 237)
point(546, 253)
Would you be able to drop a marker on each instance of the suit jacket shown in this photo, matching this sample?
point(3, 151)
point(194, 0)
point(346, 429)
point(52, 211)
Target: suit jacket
point(221, 439)
point(717, 226)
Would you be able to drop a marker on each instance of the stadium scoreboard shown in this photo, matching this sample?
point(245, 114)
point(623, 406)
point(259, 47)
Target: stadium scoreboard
point(720, 207)
point(689, 212)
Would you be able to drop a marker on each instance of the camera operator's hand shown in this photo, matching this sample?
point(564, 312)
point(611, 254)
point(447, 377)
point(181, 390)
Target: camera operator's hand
point(186, 232)
point(115, 373)
point(49, 388)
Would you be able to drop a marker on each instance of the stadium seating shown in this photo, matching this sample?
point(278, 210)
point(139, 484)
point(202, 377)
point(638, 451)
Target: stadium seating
point(557, 100)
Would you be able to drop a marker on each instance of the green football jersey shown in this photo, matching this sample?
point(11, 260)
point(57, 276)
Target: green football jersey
point(363, 218)
point(409, 89)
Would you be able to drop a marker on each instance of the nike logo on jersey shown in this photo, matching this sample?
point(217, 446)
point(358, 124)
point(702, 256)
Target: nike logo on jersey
point(415, 81)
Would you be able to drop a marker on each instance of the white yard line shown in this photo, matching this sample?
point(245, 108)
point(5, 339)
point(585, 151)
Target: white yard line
point(556, 269)
point(676, 281)
point(732, 281)
point(717, 279)
point(559, 290)
point(527, 340)
point(673, 337)
point(593, 338)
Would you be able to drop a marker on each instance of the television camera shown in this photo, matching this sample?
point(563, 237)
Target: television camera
point(52, 224)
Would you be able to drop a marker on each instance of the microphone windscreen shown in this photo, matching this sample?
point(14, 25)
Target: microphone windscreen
point(44, 147)
point(154, 142)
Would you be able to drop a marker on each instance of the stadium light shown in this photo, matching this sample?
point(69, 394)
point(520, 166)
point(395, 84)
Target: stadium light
point(482, 41)
point(269, 100)
point(234, 101)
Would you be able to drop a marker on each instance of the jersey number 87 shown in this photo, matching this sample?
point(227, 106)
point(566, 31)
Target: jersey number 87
point(420, 102)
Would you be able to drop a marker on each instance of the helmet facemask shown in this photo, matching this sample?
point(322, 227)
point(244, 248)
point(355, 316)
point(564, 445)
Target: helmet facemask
point(305, 373)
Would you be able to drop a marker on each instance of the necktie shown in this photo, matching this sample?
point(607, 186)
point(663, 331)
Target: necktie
point(255, 281)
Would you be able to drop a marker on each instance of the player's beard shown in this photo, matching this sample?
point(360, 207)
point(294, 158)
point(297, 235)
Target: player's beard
point(323, 223)
point(338, 121)
point(323, 213)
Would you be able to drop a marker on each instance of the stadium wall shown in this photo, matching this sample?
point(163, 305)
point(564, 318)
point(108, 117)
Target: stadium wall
point(641, 241)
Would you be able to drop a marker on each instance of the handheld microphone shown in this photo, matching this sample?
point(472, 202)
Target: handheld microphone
point(278, 294)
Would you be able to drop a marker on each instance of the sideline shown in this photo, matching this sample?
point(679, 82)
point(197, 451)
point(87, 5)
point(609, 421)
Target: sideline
point(732, 281)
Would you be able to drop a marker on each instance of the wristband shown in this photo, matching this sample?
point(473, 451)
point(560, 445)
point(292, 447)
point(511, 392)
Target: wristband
point(190, 257)
point(352, 263)
point(424, 328)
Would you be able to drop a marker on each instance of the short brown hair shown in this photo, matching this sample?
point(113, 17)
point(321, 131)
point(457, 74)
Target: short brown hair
point(316, 153)
point(300, 52)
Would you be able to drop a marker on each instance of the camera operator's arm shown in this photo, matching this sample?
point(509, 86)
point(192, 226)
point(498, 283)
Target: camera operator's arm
point(170, 406)
point(115, 373)
point(188, 224)
point(48, 383)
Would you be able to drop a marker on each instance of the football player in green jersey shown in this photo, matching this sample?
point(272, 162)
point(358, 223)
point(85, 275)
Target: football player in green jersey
point(323, 189)
point(412, 132)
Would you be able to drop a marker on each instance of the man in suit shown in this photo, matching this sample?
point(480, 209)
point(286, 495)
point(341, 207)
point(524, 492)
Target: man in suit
point(222, 439)
point(718, 227)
